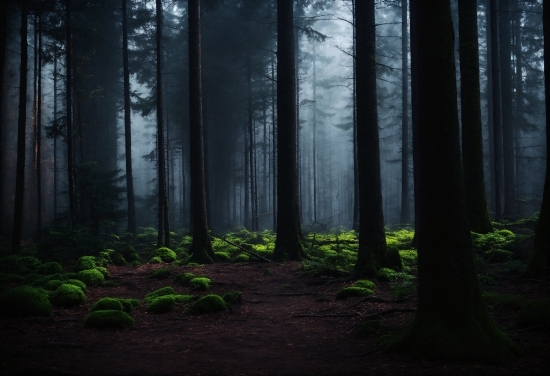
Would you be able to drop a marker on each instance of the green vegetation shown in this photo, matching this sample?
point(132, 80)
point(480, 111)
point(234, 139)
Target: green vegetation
point(108, 319)
point(128, 305)
point(167, 290)
point(91, 277)
point(9, 278)
point(85, 263)
point(106, 303)
point(68, 296)
point(233, 297)
point(208, 304)
point(200, 283)
point(409, 259)
point(242, 257)
point(184, 278)
point(222, 256)
point(535, 314)
point(103, 271)
point(53, 284)
point(159, 274)
point(365, 283)
point(25, 301)
point(165, 254)
point(49, 268)
point(350, 292)
point(118, 259)
point(162, 304)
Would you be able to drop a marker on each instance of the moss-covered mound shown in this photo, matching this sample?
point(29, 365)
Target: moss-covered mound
point(103, 271)
point(53, 284)
point(106, 304)
point(162, 304)
point(200, 283)
point(243, 257)
point(129, 254)
point(85, 263)
point(162, 273)
point(370, 327)
point(165, 254)
point(128, 305)
point(184, 278)
point(68, 296)
point(24, 301)
point(233, 297)
point(349, 292)
point(208, 304)
point(91, 277)
point(118, 259)
point(155, 260)
point(49, 268)
point(10, 277)
point(108, 319)
point(365, 283)
point(386, 274)
point(167, 290)
point(535, 314)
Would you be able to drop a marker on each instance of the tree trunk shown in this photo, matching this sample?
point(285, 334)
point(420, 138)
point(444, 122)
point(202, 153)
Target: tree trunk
point(414, 119)
point(128, 124)
point(288, 244)
point(201, 248)
point(405, 210)
point(21, 124)
point(451, 321)
point(38, 148)
point(490, 127)
point(519, 118)
point(69, 118)
point(3, 40)
point(55, 133)
point(540, 260)
point(274, 143)
point(314, 138)
point(372, 239)
point(472, 142)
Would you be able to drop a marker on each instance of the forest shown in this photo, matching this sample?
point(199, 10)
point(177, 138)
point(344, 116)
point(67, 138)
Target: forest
point(274, 187)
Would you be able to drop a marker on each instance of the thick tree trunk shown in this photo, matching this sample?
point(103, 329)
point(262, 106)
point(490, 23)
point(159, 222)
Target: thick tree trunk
point(490, 127)
point(472, 142)
point(288, 244)
point(518, 118)
point(372, 239)
point(21, 124)
point(38, 147)
point(128, 124)
point(405, 210)
point(274, 143)
point(55, 133)
point(201, 248)
point(414, 120)
point(69, 118)
point(3, 40)
point(451, 321)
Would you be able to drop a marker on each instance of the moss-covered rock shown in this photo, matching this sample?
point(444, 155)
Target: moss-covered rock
point(85, 263)
point(103, 271)
point(167, 290)
point(497, 255)
point(128, 305)
point(386, 274)
point(53, 284)
point(243, 257)
point(108, 319)
point(91, 277)
point(9, 277)
point(25, 301)
point(208, 304)
point(233, 297)
point(106, 303)
point(222, 256)
point(184, 278)
point(129, 254)
point(68, 296)
point(365, 283)
point(200, 283)
point(155, 260)
point(349, 292)
point(42, 280)
point(162, 304)
point(118, 259)
point(165, 254)
point(159, 274)
point(535, 314)
point(49, 268)
point(370, 327)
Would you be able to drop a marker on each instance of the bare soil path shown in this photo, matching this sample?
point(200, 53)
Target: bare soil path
point(261, 336)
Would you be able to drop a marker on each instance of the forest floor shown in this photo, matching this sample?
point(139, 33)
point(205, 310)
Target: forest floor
point(264, 335)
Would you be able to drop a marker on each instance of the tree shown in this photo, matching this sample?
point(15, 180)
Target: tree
point(3, 40)
point(452, 320)
point(201, 248)
point(405, 210)
point(69, 117)
point(372, 239)
point(472, 143)
point(21, 124)
point(288, 244)
point(540, 260)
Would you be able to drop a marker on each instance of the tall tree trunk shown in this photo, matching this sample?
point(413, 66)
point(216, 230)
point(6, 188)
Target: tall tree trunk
point(415, 98)
point(405, 210)
point(314, 138)
point(55, 132)
point(540, 260)
point(355, 219)
point(288, 244)
point(452, 320)
point(274, 143)
point(247, 173)
point(69, 119)
point(372, 239)
point(3, 40)
point(128, 124)
point(21, 124)
point(201, 248)
point(38, 148)
point(519, 96)
point(490, 122)
point(472, 142)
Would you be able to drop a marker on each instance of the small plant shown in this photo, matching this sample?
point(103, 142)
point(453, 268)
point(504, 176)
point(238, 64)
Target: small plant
point(233, 297)
point(91, 277)
point(105, 304)
point(184, 278)
point(108, 319)
point(167, 290)
point(365, 284)
point(161, 304)
point(165, 254)
point(160, 274)
point(85, 263)
point(68, 296)
point(49, 268)
point(349, 292)
point(208, 304)
point(200, 283)
point(25, 301)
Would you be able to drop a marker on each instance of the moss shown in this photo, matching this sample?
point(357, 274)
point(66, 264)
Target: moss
point(486, 280)
point(504, 302)
point(370, 327)
point(104, 257)
point(184, 278)
point(167, 290)
point(53, 284)
point(104, 304)
point(129, 254)
point(386, 274)
point(497, 255)
point(42, 280)
point(409, 258)
point(162, 304)
point(29, 263)
point(393, 258)
point(406, 288)
point(25, 301)
point(160, 274)
point(200, 283)
point(233, 297)
point(349, 292)
point(103, 271)
point(108, 319)
point(208, 304)
point(155, 260)
point(9, 277)
point(49, 268)
point(535, 314)
point(365, 283)
point(243, 257)
point(91, 277)
point(85, 263)
point(118, 259)
point(222, 256)
point(76, 282)
point(68, 296)
point(165, 254)
point(128, 305)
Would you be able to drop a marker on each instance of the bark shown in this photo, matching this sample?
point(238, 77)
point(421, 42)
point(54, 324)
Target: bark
point(288, 244)
point(128, 124)
point(451, 321)
point(372, 239)
point(472, 142)
point(519, 119)
point(21, 124)
point(405, 209)
point(490, 127)
point(3, 39)
point(38, 147)
point(69, 130)
point(414, 118)
point(540, 260)
point(55, 133)
point(201, 248)
point(274, 136)
point(314, 137)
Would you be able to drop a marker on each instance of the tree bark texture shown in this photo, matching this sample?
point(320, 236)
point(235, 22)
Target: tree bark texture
point(3, 40)
point(69, 119)
point(405, 207)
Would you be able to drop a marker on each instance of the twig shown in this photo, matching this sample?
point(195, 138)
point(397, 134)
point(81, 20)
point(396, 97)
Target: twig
point(364, 353)
point(244, 249)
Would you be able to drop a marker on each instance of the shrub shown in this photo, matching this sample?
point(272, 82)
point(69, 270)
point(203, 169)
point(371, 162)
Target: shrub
point(91, 277)
point(222, 256)
point(118, 259)
point(48, 268)
point(184, 278)
point(165, 254)
point(67, 296)
point(208, 304)
point(108, 319)
point(105, 304)
point(160, 274)
point(233, 297)
point(167, 290)
point(85, 263)
point(349, 292)
point(365, 284)
point(24, 301)
point(534, 314)
point(200, 283)
point(162, 304)
point(155, 260)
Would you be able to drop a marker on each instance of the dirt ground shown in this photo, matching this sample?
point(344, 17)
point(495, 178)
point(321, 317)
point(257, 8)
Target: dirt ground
point(261, 336)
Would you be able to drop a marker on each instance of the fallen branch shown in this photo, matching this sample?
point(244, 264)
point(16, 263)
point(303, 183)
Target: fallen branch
point(244, 249)
point(340, 314)
point(388, 311)
point(364, 353)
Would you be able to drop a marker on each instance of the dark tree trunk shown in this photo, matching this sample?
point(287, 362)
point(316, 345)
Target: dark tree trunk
point(21, 123)
point(128, 124)
point(355, 218)
point(472, 142)
point(414, 119)
point(288, 244)
point(372, 239)
point(55, 133)
point(274, 143)
point(314, 138)
point(540, 260)
point(405, 210)
point(519, 120)
point(38, 147)
point(201, 248)
point(3, 39)
point(69, 119)
point(490, 127)
point(451, 320)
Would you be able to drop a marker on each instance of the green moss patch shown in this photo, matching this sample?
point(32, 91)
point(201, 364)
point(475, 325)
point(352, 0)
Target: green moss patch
point(535, 314)
point(49, 268)
point(105, 304)
point(370, 327)
point(118, 259)
point(91, 277)
point(233, 297)
point(108, 319)
point(25, 301)
point(365, 283)
point(208, 304)
point(349, 292)
point(162, 304)
point(160, 274)
point(386, 274)
point(200, 283)
point(103, 271)
point(184, 278)
point(85, 263)
point(155, 260)
point(167, 290)
point(9, 277)
point(243, 257)
point(129, 254)
point(68, 296)
point(497, 255)
point(165, 254)
point(222, 256)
